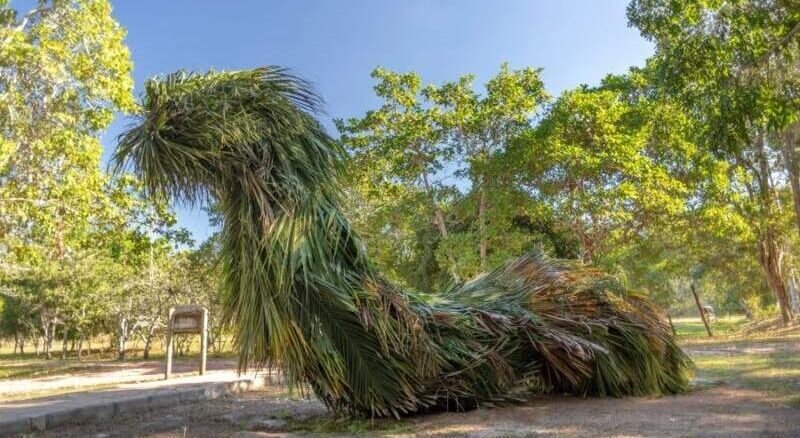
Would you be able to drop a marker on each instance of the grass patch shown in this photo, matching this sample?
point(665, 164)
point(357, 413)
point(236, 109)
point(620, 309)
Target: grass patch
point(777, 372)
point(763, 361)
point(693, 328)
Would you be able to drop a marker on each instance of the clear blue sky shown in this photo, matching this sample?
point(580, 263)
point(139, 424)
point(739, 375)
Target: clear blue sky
point(335, 44)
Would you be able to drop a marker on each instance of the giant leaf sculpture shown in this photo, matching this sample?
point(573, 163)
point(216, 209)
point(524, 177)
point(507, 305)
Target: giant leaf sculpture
point(302, 294)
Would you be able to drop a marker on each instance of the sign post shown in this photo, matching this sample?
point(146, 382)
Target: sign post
point(192, 318)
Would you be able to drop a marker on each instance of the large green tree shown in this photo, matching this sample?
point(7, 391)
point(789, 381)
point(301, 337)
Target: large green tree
point(600, 162)
point(478, 128)
point(395, 172)
point(423, 135)
point(730, 63)
point(400, 139)
point(64, 71)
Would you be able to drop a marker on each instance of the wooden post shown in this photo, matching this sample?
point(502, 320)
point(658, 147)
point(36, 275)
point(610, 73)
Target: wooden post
point(203, 341)
point(671, 325)
point(700, 309)
point(168, 370)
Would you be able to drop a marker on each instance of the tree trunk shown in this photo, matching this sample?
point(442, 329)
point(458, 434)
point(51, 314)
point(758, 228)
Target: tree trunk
point(220, 340)
point(791, 288)
point(748, 314)
point(122, 339)
point(790, 161)
point(671, 325)
point(438, 216)
point(578, 227)
point(483, 244)
point(48, 327)
point(45, 332)
point(439, 219)
point(148, 341)
point(211, 336)
point(64, 343)
point(587, 245)
point(80, 347)
point(700, 309)
point(146, 350)
point(48, 346)
point(770, 256)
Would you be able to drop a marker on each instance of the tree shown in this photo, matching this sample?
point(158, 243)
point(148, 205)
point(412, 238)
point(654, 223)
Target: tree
point(143, 266)
point(612, 165)
point(397, 156)
point(402, 137)
point(64, 71)
point(717, 59)
point(302, 293)
point(201, 283)
point(16, 321)
point(479, 127)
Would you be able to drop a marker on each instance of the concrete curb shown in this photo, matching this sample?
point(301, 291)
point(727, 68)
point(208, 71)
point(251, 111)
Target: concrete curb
point(103, 411)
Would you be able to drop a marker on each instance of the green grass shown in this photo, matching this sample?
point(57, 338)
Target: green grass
point(693, 328)
point(772, 371)
point(776, 372)
point(763, 361)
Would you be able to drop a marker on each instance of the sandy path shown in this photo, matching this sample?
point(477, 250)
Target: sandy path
point(106, 373)
point(718, 412)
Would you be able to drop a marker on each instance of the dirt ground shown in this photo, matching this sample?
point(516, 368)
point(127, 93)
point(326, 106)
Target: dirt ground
point(721, 411)
point(744, 388)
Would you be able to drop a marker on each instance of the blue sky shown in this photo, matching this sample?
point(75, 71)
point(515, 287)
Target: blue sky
point(335, 44)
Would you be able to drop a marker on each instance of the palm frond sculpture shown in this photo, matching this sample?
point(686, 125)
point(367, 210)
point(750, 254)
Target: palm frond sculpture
point(301, 292)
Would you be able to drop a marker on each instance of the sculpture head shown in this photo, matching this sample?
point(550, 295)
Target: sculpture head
point(252, 131)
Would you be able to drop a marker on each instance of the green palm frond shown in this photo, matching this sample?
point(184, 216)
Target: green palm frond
point(302, 295)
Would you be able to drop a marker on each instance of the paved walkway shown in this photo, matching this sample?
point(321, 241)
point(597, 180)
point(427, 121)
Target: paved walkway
point(105, 373)
point(128, 388)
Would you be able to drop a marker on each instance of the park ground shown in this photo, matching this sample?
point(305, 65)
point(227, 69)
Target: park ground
point(747, 384)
